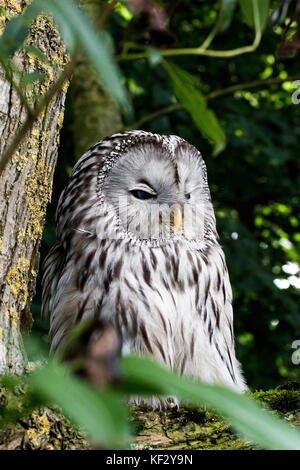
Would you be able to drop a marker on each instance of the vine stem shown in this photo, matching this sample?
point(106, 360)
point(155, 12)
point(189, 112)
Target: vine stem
point(202, 50)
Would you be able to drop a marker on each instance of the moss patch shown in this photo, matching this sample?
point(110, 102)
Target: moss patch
point(283, 399)
point(184, 428)
point(196, 428)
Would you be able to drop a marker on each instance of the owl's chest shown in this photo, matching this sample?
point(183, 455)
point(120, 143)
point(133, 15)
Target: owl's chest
point(160, 290)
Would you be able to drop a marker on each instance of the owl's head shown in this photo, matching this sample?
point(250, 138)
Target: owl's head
point(156, 188)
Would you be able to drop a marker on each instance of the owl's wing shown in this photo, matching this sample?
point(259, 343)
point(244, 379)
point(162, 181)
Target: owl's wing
point(52, 268)
point(71, 290)
point(67, 302)
point(218, 315)
point(68, 293)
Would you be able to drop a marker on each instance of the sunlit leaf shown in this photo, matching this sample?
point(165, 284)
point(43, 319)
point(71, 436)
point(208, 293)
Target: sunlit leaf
point(187, 93)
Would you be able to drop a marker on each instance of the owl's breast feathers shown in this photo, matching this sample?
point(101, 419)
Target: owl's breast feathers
point(172, 302)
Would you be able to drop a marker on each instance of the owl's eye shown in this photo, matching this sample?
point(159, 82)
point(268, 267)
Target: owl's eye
point(139, 194)
point(187, 196)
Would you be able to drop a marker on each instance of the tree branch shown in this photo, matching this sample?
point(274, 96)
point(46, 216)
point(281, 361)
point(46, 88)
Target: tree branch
point(211, 96)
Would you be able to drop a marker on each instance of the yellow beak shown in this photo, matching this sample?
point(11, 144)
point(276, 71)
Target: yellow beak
point(177, 218)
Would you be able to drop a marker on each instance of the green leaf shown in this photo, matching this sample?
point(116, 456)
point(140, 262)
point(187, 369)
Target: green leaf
point(247, 7)
point(100, 413)
point(228, 7)
point(32, 77)
point(246, 416)
point(35, 51)
point(187, 93)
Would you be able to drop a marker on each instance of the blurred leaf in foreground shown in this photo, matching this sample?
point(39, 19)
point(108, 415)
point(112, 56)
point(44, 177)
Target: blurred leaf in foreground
point(100, 413)
point(246, 416)
point(248, 10)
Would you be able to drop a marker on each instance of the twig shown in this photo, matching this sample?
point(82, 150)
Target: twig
point(154, 115)
point(254, 84)
point(211, 96)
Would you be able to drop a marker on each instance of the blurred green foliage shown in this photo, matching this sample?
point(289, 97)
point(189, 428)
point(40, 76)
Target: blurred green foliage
point(100, 413)
point(254, 181)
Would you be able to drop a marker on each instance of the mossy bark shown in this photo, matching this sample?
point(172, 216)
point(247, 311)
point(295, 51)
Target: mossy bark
point(43, 429)
point(95, 114)
point(186, 428)
point(195, 428)
point(25, 184)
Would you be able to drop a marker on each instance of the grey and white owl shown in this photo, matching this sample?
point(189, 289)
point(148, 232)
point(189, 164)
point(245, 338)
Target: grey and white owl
point(137, 246)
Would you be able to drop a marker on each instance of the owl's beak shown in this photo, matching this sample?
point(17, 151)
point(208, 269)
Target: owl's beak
point(177, 218)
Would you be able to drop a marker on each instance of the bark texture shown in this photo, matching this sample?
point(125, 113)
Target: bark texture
point(25, 185)
point(95, 114)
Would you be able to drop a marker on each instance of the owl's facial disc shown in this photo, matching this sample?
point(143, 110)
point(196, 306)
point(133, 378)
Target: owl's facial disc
point(156, 195)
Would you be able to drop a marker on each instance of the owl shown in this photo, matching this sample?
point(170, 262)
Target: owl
point(137, 247)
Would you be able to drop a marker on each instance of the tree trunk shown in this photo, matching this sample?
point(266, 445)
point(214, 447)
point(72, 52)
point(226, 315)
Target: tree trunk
point(95, 114)
point(25, 187)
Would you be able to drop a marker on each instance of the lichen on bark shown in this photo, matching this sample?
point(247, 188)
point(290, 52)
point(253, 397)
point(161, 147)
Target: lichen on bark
point(26, 183)
point(43, 429)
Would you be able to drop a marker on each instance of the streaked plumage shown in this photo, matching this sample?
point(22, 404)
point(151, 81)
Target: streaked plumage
point(169, 294)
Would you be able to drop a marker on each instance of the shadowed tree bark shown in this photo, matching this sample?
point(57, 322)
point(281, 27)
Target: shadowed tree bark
point(95, 114)
point(25, 185)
